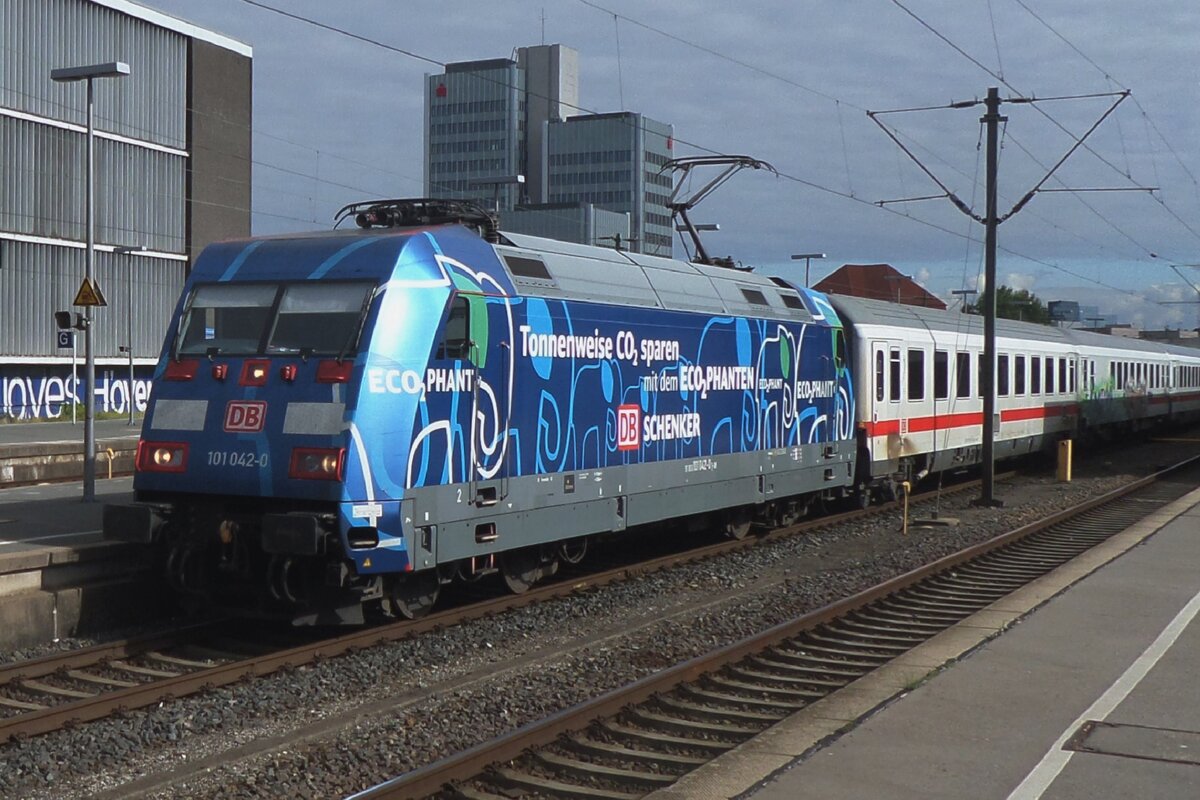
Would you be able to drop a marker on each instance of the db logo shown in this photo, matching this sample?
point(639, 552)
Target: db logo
point(629, 427)
point(245, 416)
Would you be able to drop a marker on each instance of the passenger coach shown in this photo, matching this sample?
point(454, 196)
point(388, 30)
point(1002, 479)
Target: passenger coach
point(920, 408)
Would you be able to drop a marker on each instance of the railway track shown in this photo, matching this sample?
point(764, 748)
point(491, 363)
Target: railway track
point(84, 685)
point(626, 744)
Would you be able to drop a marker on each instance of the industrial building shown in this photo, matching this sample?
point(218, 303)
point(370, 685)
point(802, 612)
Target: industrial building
point(506, 132)
point(172, 173)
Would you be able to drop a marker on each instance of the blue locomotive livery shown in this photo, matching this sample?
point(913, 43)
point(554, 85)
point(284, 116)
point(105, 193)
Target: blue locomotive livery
point(349, 420)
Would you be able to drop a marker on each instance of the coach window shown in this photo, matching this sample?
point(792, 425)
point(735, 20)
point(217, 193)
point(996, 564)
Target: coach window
point(1002, 376)
point(941, 374)
point(894, 376)
point(1074, 382)
point(1049, 375)
point(1035, 375)
point(1062, 376)
point(916, 374)
point(456, 339)
point(1019, 375)
point(879, 373)
point(962, 374)
point(983, 368)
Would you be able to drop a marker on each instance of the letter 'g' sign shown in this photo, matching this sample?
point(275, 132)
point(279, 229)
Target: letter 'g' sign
point(629, 427)
point(245, 416)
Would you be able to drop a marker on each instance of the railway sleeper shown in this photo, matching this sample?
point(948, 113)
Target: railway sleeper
point(505, 776)
point(794, 675)
point(904, 624)
point(22, 705)
point(883, 630)
point(933, 605)
point(803, 656)
point(656, 739)
point(150, 672)
point(706, 713)
point(797, 697)
point(1000, 570)
point(472, 793)
point(960, 605)
point(916, 610)
point(653, 719)
point(590, 771)
point(88, 677)
point(973, 593)
point(832, 640)
point(745, 679)
point(591, 747)
point(56, 691)
point(713, 696)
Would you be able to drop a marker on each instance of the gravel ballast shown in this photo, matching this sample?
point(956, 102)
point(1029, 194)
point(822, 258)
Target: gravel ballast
point(347, 723)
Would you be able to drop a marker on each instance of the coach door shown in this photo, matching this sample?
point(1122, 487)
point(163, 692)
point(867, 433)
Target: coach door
point(491, 397)
point(879, 383)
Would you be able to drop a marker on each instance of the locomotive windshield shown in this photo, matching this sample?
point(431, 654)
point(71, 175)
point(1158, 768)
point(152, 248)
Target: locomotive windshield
point(275, 319)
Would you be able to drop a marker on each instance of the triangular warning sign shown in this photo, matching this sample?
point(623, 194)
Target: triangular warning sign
point(89, 294)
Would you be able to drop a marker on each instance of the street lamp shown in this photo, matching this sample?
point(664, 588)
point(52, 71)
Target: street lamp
point(129, 251)
point(964, 294)
point(111, 69)
point(496, 183)
point(808, 257)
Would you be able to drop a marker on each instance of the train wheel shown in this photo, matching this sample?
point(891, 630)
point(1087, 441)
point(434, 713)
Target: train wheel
point(737, 524)
point(413, 596)
point(862, 496)
point(521, 569)
point(573, 551)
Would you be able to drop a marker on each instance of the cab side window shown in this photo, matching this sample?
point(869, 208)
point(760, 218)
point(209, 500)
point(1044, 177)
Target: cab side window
point(457, 337)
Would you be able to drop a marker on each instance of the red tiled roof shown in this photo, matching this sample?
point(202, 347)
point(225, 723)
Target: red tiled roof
point(878, 282)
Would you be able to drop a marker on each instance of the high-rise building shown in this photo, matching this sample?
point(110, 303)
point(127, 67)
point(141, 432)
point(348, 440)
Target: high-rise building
point(484, 122)
point(488, 122)
point(613, 161)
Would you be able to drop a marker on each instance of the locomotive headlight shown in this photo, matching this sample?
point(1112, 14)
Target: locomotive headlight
point(317, 463)
point(161, 456)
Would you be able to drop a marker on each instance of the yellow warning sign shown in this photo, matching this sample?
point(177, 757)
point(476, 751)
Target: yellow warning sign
point(89, 294)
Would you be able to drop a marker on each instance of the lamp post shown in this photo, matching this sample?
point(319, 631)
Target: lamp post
point(496, 183)
point(129, 251)
point(808, 257)
point(89, 73)
point(964, 294)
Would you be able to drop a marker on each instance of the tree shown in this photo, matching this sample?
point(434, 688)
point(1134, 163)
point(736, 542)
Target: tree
point(1019, 304)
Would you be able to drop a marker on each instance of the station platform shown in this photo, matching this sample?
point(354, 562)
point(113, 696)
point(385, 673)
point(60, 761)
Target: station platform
point(58, 577)
point(1081, 685)
point(35, 452)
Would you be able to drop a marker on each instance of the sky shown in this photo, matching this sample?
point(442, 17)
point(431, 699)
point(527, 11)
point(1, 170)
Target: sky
point(339, 119)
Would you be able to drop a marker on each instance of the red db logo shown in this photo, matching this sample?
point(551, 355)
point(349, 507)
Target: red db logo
point(245, 416)
point(629, 426)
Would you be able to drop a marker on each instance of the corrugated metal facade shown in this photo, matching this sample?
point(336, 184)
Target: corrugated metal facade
point(37, 36)
point(36, 280)
point(139, 192)
point(141, 188)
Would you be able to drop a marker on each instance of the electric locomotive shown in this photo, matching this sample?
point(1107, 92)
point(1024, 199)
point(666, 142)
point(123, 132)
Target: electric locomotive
point(352, 419)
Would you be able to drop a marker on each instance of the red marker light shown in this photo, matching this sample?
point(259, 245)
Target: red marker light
point(220, 371)
point(334, 371)
point(288, 372)
point(181, 370)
